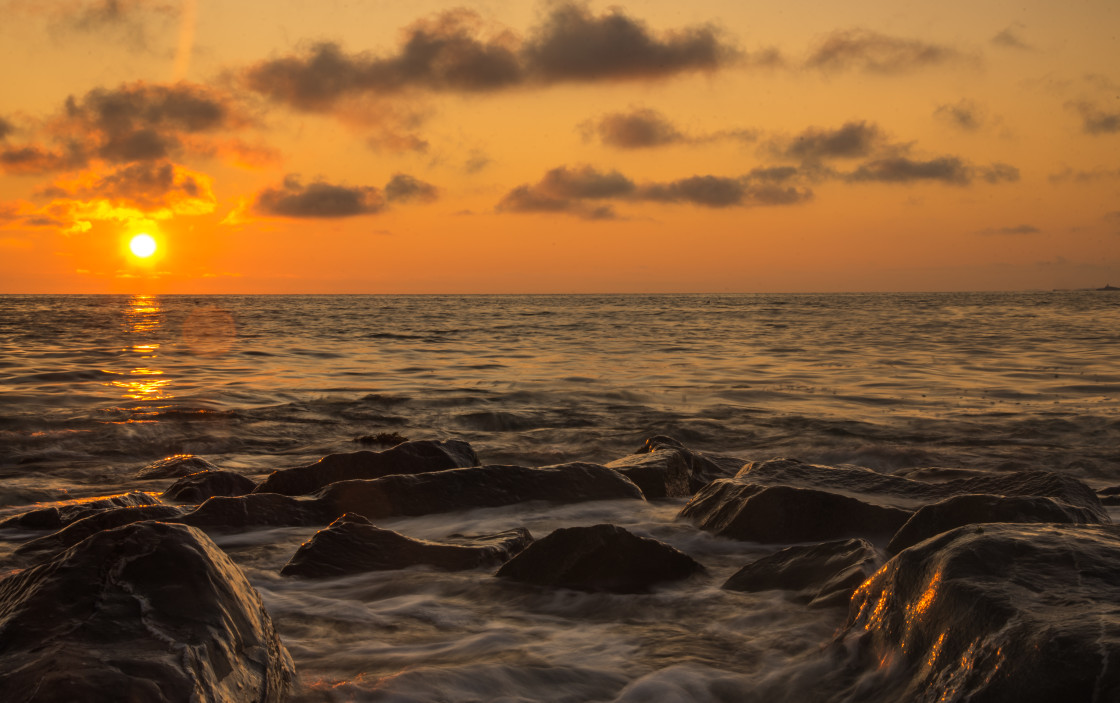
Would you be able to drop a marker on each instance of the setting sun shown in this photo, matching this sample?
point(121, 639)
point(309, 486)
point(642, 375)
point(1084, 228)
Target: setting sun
point(142, 245)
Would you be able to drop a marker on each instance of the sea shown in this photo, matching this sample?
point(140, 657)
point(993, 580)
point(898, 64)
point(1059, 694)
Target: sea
point(93, 388)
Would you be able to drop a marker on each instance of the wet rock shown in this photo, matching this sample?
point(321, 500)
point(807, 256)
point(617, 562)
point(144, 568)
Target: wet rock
point(599, 558)
point(58, 516)
point(823, 574)
point(351, 544)
point(146, 612)
point(703, 467)
point(475, 487)
point(56, 542)
point(783, 514)
point(257, 510)
point(996, 612)
point(196, 488)
point(791, 501)
point(970, 509)
point(175, 466)
point(407, 458)
point(663, 473)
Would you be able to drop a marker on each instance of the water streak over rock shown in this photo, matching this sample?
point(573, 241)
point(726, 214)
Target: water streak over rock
point(58, 516)
point(823, 574)
point(197, 487)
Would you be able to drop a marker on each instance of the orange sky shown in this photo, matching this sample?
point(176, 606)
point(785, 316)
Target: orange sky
point(374, 147)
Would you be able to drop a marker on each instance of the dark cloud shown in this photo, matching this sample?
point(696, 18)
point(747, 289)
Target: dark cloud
point(638, 129)
point(476, 162)
point(1009, 38)
point(450, 53)
point(37, 160)
point(1099, 173)
point(964, 114)
point(1017, 229)
point(878, 53)
point(405, 188)
point(1113, 216)
point(319, 200)
point(900, 169)
point(774, 174)
point(999, 173)
point(580, 191)
point(575, 45)
point(851, 140)
point(145, 186)
point(1095, 120)
point(6, 128)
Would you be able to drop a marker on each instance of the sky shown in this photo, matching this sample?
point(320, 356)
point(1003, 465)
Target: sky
point(368, 146)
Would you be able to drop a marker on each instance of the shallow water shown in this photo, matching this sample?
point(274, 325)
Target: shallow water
point(93, 388)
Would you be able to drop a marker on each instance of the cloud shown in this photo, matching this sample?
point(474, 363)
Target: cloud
point(645, 128)
point(575, 45)
point(851, 140)
point(866, 50)
point(1017, 229)
point(964, 114)
point(6, 128)
point(1100, 173)
point(450, 53)
point(37, 160)
point(998, 173)
point(1112, 216)
point(900, 169)
point(405, 188)
point(581, 191)
point(1095, 120)
point(325, 200)
point(157, 189)
point(1009, 38)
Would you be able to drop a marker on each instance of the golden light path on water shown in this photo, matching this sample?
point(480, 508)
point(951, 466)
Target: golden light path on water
point(146, 383)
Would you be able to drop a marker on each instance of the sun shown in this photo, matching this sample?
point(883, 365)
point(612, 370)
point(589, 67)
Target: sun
point(142, 245)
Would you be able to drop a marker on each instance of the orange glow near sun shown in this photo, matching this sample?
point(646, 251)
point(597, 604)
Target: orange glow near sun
point(142, 245)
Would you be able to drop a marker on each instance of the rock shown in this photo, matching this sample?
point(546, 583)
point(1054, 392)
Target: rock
point(407, 458)
point(663, 473)
point(257, 510)
point(351, 544)
point(996, 612)
point(599, 558)
point(75, 532)
point(196, 488)
point(474, 487)
point(58, 516)
point(970, 509)
point(175, 466)
point(818, 503)
point(146, 612)
point(783, 514)
point(703, 467)
point(824, 574)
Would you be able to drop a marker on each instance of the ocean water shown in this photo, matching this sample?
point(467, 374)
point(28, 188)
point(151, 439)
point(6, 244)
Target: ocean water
point(92, 388)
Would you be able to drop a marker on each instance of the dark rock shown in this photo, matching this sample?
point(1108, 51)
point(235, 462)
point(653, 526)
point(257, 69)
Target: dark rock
point(954, 512)
point(818, 503)
point(408, 458)
point(257, 510)
point(937, 474)
point(351, 544)
point(663, 473)
point(57, 516)
point(79, 530)
point(777, 514)
point(146, 612)
point(207, 484)
point(824, 574)
point(474, 487)
point(175, 466)
point(385, 439)
point(599, 558)
point(703, 467)
point(996, 612)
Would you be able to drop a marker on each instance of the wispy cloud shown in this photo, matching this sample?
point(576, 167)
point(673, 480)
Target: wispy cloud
point(874, 52)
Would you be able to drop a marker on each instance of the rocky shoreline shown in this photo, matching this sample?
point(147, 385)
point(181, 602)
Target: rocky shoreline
point(958, 585)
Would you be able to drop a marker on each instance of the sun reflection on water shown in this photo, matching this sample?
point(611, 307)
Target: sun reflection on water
point(143, 383)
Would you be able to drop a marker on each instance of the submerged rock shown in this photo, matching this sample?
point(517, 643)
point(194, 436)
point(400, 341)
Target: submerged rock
point(599, 558)
point(474, 487)
point(58, 516)
point(175, 466)
point(407, 458)
point(996, 612)
point(663, 473)
point(196, 488)
point(351, 544)
point(79, 530)
point(257, 510)
point(824, 574)
point(954, 512)
point(146, 612)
